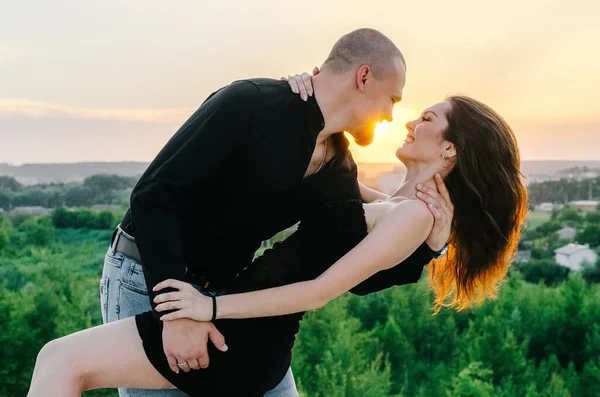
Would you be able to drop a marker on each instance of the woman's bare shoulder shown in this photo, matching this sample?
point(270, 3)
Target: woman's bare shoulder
point(410, 209)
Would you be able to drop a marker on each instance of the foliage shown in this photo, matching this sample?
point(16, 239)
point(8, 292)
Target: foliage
point(96, 189)
point(534, 340)
point(564, 190)
point(545, 270)
point(590, 235)
point(83, 218)
point(539, 338)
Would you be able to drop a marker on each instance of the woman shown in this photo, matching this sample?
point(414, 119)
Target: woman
point(473, 149)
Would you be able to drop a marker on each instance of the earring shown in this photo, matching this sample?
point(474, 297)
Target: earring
point(445, 156)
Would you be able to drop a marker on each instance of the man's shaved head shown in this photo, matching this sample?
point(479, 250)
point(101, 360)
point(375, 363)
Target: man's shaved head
point(365, 47)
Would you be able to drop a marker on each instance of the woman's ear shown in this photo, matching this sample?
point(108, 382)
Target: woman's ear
point(450, 150)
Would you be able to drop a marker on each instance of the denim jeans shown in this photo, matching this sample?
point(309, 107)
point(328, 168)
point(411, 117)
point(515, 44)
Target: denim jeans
point(123, 294)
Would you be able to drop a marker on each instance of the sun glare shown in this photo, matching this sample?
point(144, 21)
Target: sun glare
point(381, 128)
point(401, 117)
point(388, 137)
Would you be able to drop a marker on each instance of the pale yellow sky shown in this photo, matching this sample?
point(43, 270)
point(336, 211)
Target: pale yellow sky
point(113, 80)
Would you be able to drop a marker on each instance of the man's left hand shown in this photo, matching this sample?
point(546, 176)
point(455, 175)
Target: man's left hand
point(438, 202)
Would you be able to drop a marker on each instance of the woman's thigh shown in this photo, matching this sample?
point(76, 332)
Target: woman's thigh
point(109, 356)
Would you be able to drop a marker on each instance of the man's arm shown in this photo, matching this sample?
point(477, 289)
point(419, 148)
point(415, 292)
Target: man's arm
point(369, 195)
point(195, 154)
point(211, 137)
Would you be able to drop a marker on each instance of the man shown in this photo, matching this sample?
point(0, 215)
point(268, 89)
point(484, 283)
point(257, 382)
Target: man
point(230, 178)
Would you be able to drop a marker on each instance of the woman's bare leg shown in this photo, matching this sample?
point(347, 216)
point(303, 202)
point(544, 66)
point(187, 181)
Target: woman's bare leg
point(106, 356)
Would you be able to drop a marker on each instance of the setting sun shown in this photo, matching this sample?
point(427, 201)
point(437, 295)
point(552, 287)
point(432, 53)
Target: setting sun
point(381, 128)
point(388, 137)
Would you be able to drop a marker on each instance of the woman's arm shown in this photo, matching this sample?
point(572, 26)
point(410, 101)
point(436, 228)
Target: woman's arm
point(369, 195)
point(396, 235)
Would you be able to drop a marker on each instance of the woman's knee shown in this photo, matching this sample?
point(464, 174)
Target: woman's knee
point(56, 371)
point(50, 353)
point(57, 358)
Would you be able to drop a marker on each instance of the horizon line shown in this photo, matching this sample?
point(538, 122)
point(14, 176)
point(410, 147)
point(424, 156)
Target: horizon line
point(148, 161)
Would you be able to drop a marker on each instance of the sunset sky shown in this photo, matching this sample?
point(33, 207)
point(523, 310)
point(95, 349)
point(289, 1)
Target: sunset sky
point(113, 80)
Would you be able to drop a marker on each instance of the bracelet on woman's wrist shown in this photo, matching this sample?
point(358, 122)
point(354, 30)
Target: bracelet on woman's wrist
point(214, 302)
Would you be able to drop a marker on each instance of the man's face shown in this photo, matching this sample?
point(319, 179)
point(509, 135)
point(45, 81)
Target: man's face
point(374, 102)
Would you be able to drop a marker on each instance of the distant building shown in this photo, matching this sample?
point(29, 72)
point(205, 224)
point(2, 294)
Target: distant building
point(523, 256)
point(29, 211)
point(579, 173)
point(526, 244)
point(567, 233)
point(538, 178)
point(548, 207)
point(545, 207)
point(585, 205)
point(574, 256)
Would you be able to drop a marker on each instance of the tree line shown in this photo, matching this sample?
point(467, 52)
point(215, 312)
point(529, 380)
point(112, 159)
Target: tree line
point(95, 189)
point(564, 190)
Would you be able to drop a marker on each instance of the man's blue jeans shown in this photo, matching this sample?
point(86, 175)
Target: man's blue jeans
point(123, 294)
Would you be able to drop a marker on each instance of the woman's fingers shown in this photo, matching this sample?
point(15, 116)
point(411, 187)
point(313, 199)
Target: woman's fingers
point(301, 86)
point(170, 296)
point(171, 283)
point(173, 305)
point(293, 84)
point(307, 81)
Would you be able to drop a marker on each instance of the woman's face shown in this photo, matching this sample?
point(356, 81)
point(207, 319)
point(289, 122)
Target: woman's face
point(424, 141)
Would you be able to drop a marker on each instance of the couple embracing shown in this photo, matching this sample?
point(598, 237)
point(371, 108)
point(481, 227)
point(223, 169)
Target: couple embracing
point(188, 311)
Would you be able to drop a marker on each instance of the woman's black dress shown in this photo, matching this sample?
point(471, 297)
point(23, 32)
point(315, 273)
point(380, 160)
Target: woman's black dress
point(260, 349)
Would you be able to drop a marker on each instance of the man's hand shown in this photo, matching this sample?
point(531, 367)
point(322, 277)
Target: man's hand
point(442, 209)
point(185, 341)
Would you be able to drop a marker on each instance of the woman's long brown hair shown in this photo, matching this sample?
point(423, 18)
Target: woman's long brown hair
point(490, 204)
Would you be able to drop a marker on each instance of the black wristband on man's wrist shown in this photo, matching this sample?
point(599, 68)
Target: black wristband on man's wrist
point(440, 253)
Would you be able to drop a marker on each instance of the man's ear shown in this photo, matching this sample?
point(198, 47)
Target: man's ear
point(363, 74)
